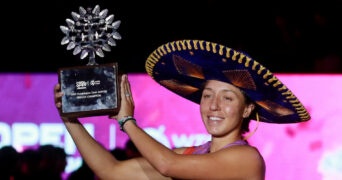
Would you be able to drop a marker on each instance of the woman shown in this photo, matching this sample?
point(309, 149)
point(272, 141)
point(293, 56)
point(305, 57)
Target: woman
point(231, 89)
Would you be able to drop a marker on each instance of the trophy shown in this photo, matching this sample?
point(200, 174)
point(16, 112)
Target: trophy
point(92, 89)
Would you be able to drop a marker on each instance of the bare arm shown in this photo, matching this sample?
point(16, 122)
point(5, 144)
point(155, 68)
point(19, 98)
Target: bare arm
point(99, 159)
point(237, 162)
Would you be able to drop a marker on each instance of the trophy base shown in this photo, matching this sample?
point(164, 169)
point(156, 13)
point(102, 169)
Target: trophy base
point(90, 90)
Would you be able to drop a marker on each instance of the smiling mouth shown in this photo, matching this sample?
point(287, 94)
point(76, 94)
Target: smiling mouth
point(214, 118)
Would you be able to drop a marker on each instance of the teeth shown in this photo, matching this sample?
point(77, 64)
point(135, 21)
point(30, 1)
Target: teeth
point(215, 118)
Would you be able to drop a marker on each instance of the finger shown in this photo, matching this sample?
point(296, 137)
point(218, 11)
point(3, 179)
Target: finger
point(57, 95)
point(127, 106)
point(57, 90)
point(122, 86)
point(126, 86)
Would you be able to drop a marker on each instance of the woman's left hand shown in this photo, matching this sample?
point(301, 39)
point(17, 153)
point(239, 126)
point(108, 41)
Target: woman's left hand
point(127, 103)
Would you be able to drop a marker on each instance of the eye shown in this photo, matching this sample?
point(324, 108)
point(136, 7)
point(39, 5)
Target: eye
point(206, 96)
point(228, 98)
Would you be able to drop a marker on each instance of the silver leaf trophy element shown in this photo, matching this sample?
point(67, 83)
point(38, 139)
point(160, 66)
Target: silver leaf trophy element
point(90, 32)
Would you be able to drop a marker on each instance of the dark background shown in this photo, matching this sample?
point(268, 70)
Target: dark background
point(285, 36)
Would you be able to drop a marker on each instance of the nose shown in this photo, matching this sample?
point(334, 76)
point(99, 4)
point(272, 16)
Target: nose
point(214, 104)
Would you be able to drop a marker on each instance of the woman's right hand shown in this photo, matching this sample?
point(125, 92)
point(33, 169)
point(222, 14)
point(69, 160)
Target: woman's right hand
point(58, 102)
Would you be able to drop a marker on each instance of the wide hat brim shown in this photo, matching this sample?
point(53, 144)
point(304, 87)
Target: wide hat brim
point(183, 66)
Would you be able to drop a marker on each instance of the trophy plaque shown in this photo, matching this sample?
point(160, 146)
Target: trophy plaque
point(92, 89)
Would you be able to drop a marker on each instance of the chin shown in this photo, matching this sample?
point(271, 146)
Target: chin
point(215, 132)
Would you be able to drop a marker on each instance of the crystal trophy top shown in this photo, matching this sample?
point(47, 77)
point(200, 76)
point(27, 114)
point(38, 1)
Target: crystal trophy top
point(92, 89)
point(90, 33)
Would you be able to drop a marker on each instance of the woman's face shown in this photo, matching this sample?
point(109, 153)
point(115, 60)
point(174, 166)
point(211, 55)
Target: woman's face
point(223, 108)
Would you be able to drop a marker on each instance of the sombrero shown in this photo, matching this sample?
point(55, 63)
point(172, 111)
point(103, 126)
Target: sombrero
point(183, 66)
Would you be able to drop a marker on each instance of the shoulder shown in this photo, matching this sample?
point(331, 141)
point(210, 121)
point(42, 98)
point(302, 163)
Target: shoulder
point(245, 157)
point(242, 152)
point(242, 161)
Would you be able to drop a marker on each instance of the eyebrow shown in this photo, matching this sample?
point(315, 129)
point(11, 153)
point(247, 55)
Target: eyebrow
point(225, 90)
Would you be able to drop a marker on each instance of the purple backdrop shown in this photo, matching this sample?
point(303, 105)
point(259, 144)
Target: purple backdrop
point(311, 150)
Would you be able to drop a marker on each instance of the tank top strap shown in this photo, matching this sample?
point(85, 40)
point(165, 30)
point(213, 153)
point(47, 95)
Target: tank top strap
point(205, 148)
point(238, 142)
